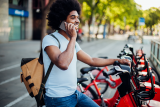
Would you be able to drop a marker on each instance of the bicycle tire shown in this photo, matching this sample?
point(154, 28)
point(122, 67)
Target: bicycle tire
point(157, 83)
point(90, 92)
point(157, 76)
point(103, 87)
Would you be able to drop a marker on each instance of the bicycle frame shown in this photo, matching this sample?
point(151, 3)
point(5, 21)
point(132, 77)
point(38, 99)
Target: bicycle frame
point(125, 101)
point(110, 101)
point(117, 81)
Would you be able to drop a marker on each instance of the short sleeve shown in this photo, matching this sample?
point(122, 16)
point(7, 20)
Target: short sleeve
point(48, 41)
point(78, 48)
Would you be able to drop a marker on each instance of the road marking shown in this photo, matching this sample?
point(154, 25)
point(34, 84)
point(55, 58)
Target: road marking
point(17, 100)
point(7, 68)
point(6, 81)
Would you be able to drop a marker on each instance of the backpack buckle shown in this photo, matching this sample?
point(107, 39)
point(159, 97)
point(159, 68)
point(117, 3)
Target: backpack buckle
point(42, 86)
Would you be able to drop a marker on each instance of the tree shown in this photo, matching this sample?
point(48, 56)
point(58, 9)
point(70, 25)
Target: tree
point(109, 11)
point(125, 8)
point(45, 9)
point(88, 7)
point(100, 14)
point(152, 16)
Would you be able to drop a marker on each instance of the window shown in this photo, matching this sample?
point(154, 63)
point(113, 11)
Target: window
point(17, 2)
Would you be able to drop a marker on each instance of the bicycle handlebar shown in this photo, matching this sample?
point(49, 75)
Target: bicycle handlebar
point(145, 66)
point(110, 72)
point(130, 48)
point(118, 69)
point(140, 57)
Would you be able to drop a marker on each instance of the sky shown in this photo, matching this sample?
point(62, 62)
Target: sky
point(146, 4)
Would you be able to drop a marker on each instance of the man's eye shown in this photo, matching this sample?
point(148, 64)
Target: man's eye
point(74, 17)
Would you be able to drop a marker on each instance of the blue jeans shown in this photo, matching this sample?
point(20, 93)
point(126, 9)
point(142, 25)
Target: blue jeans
point(77, 99)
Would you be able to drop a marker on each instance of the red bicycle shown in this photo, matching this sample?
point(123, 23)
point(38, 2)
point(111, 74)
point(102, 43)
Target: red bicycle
point(126, 94)
point(103, 82)
point(139, 60)
point(113, 81)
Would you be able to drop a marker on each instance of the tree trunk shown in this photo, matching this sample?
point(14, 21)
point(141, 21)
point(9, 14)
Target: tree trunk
point(151, 30)
point(98, 29)
point(97, 33)
point(99, 26)
point(89, 34)
point(89, 25)
point(43, 26)
point(113, 29)
point(135, 25)
point(45, 10)
point(43, 29)
point(109, 25)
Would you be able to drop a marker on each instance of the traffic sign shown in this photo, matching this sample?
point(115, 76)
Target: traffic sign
point(141, 21)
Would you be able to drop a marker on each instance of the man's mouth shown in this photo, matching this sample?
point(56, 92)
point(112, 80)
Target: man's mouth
point(76, 26)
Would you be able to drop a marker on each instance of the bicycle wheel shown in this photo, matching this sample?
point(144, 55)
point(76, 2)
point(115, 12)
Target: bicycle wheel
point(157, 76)
point(90, 92)
point(101, 85)
point(157, 83)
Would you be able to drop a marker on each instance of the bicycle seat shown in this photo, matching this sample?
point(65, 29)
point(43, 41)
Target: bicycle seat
point(87, 69)
point(104, 57)
point(80, 80)
point(101, 77)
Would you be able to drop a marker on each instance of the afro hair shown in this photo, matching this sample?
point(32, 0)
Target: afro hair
point(59, 11)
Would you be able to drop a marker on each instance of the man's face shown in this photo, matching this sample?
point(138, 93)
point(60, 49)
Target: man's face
point(73, 18)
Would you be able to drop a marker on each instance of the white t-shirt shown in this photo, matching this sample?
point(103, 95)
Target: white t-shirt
point(60, 83)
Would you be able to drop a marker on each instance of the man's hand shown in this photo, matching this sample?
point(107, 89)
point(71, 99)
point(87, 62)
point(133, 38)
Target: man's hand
point(125, 62)
point(71, 29)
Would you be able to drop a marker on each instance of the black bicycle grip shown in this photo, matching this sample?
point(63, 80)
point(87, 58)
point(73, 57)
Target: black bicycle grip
point(140, 56)
point(110, 72)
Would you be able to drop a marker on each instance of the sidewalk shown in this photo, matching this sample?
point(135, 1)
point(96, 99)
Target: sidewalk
point(12, 52)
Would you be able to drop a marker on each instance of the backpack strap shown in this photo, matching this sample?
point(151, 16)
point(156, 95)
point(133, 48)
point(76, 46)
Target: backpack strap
point(40, 59)
point(46, 76)
point(57, 40)
point(51, 64)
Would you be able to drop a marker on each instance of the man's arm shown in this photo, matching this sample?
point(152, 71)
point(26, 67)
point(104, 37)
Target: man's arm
point(61, 60)
point(98, 62)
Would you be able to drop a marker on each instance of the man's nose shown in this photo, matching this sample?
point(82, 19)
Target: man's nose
point(77, 20)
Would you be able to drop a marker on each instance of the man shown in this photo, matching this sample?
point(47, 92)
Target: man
point(62, 81)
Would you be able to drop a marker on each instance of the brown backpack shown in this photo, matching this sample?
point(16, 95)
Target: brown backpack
point(33, 76)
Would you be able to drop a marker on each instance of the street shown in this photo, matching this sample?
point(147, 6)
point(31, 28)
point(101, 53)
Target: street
point(14, 94)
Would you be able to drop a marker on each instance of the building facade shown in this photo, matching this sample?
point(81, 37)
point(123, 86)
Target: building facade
point(16, 20)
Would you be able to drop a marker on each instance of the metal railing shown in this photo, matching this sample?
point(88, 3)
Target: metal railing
point(155, 54)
